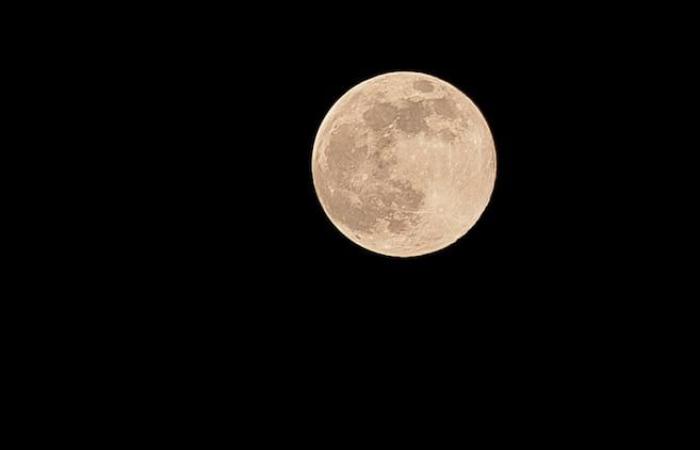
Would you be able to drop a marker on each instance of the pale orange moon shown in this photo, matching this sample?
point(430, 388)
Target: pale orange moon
point(404, 164)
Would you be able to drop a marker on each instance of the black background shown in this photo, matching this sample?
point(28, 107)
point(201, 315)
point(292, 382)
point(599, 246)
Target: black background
point(207, 257)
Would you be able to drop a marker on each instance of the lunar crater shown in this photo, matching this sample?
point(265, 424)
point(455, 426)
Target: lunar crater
point(423, 85)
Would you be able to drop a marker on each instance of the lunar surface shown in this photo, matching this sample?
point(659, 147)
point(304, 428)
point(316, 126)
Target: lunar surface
point(404, 164)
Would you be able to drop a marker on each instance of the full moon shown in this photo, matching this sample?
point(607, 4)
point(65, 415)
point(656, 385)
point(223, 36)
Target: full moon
point(404, 164)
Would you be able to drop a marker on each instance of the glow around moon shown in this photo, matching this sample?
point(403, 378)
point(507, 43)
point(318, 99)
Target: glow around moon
point(404, 164)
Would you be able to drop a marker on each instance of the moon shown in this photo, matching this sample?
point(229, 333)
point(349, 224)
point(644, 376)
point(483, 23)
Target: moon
point(404, 164)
